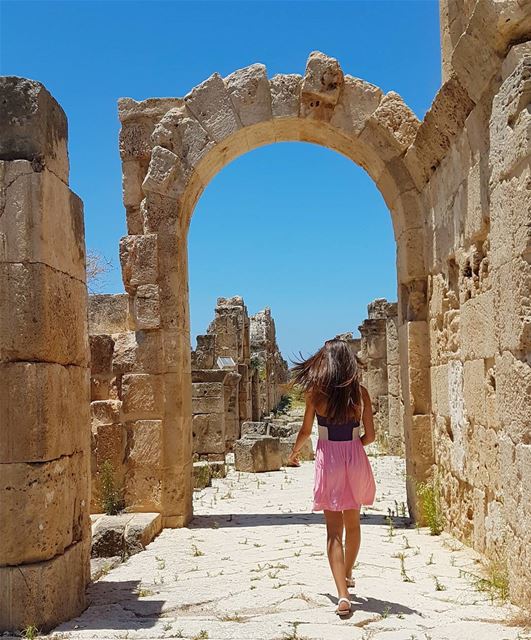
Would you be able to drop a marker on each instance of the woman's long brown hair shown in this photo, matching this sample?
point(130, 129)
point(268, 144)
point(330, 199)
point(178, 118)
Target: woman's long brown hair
point(331, 375)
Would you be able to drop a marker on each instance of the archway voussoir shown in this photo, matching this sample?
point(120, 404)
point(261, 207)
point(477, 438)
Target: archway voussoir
point(250, 94)
point(357, 102)
point(321, 87)
point(211, 105)
point(391, 128)
point(179, 131)
point(285, 89)
point(165, 174)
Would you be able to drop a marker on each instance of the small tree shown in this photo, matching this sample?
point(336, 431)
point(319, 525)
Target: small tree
point(97, 266)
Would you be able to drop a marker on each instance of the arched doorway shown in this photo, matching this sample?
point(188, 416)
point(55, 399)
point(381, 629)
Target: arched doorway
point(171, 148)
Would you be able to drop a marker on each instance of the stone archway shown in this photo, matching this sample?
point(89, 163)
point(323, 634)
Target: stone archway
point(172, 147)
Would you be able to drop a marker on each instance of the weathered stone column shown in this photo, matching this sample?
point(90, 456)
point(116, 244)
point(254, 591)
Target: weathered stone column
point(374, 354)
point(44, 395)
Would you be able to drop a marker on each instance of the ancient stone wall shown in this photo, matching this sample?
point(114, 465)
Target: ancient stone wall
point(478, 207)
point(44, 391)
point(125, 407)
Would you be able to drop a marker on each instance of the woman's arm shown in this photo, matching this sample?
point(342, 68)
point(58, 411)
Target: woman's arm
point(368, 422)
point(304, 432)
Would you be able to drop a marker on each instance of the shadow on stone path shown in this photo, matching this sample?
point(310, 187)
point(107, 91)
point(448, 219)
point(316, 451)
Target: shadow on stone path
point(252, 565)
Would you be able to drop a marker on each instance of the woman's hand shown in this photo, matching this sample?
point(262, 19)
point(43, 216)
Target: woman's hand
point(293, 459)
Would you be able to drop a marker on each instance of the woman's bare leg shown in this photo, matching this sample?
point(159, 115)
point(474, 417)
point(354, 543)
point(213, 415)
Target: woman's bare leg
point(336, 558)
point(351, 522)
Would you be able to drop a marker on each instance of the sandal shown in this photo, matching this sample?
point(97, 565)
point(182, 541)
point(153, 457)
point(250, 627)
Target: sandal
point(351, 582)
point(343, 612)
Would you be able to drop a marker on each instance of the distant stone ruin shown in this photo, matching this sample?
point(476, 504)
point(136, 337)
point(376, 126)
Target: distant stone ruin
point(237, 376)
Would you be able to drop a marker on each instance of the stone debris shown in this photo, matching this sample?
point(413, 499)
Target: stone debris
point(257, 453)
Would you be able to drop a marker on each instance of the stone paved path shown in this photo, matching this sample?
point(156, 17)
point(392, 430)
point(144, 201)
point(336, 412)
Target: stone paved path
point(252, 565)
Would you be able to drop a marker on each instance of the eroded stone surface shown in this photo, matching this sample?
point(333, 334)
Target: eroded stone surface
point(252, 563)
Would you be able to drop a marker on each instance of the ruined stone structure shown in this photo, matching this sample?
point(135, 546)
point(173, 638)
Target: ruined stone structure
point(457, 186)
point(271, 370)
point(381, 375)
point(222, 394)
point(44, 400)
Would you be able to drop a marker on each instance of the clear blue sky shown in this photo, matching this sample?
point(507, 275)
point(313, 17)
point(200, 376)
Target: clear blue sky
point(292, 226)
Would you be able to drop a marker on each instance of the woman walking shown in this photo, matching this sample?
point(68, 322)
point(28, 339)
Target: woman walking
point(343, 477)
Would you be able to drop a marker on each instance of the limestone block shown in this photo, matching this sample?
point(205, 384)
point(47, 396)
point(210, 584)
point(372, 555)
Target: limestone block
point(143, 488)
point(108, 535)
point(111, 441)
point(475, 63)
point(141, 530)
point(139, 260)
point(48, 403)
point(103, 388)
point(179, 131)
point(258, 454)
point(285, 95)
point(391, 128)
point(513, 305)
point(208, 432)
point(282, 430)
point(142, 396)
point(510, 123)
point(34, 127)
point(165, 174)
point(47, 309)
point(513, 396)
point(377, 381)
point(250, 95)
point(477, 198)
point(422, 439)
point(321, 86)
point(450, 108)
point(42, 220)
point(207, 389)
point(135, 139)
point(358, 100)
point(511, 219)
point(253, 428)
point(131, 110)
point(133, 174)
point(108, 313)
point(146, 307)
point(139, 351)
point(101, 350)
point(323, 78)
point(105, 412)
point(393, 379)
point(208, 404)
point(478, 339)
point(399, 191)
point(144, 443)
point(45, 593)
point(286, 446)
point(159, 213)
point(474, 391)
point(514, 57)
point(440, 390)
point(48, 502)
point(211, 105)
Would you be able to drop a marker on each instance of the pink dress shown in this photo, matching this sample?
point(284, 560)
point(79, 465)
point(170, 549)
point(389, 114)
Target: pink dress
point(343, 477)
